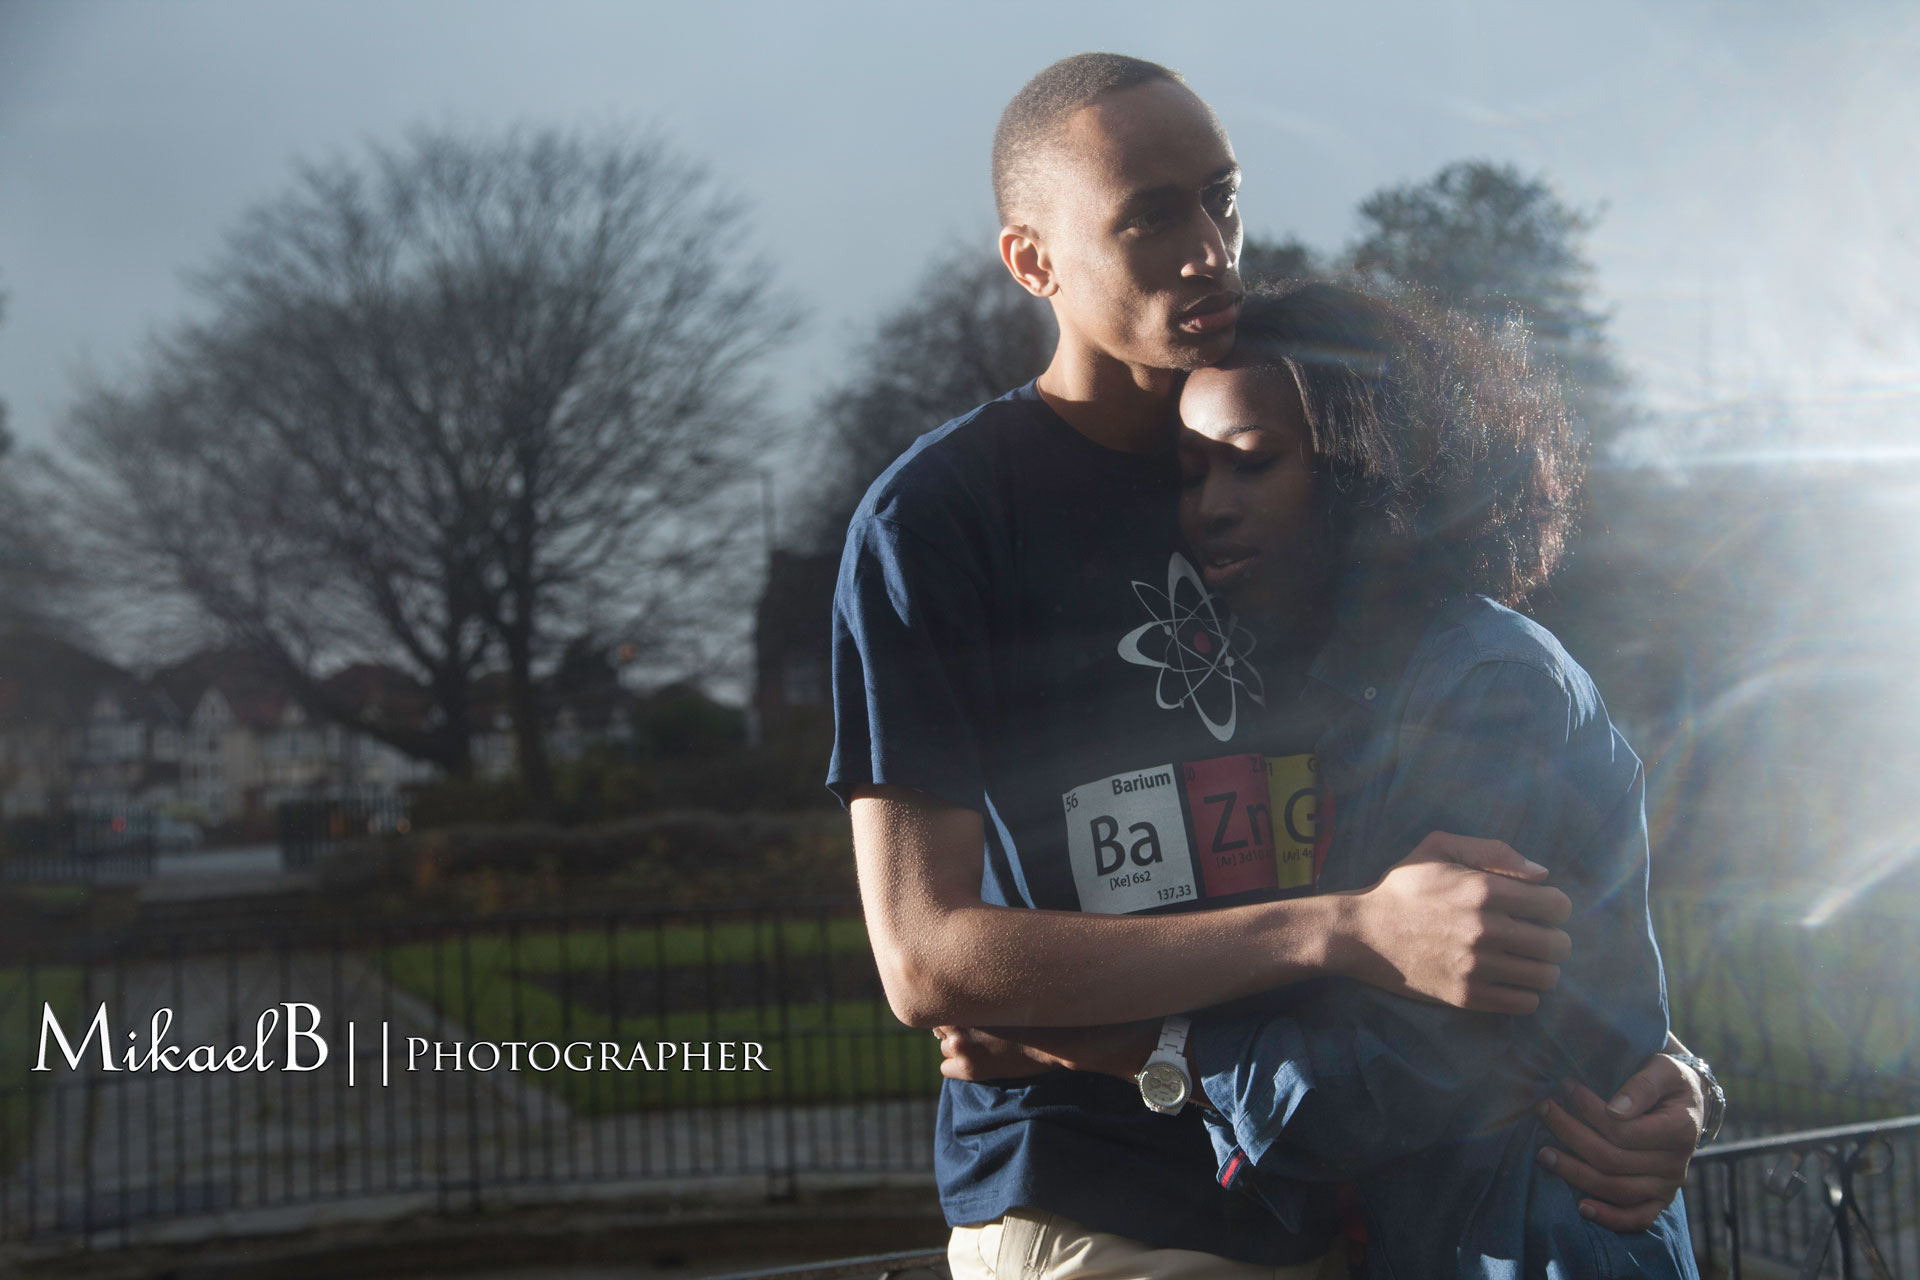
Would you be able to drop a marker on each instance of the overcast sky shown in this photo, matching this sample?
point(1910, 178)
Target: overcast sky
point(1759, 163)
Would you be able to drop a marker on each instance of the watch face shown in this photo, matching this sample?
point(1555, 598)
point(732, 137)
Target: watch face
point(1163, 1086)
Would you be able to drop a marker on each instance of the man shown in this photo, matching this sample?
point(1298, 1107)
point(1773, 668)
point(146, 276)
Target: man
point(1021, 661)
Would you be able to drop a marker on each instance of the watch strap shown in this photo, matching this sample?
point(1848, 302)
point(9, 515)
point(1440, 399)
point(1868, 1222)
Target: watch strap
point(1716, 1096)
point(1169, 1056)
point(1173, 1040)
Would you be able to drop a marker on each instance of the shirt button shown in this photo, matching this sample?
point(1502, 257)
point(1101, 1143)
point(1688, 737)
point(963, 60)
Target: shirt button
point(1370, 693)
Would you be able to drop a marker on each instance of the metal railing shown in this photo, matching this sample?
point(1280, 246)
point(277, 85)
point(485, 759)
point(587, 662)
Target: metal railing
point(476, 1062)
point(80, 847)
point(309, 827)
point(467, 1064)
point(1828, 1201)
point(1842, 1181)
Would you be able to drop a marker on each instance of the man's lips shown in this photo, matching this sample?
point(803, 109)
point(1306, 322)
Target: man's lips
point(1210, 315)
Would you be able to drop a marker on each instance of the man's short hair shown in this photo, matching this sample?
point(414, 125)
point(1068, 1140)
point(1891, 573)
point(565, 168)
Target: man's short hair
point(1039, 109)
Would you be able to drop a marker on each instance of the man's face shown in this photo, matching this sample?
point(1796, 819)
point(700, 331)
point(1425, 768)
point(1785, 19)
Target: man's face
point(1248, 506)
point(1140, 222)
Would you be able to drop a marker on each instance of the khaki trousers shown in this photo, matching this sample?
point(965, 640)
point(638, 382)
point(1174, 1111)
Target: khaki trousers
point(1030, 1245)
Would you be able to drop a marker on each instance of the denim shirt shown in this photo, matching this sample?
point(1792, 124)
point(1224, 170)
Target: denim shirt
point(1488, 729)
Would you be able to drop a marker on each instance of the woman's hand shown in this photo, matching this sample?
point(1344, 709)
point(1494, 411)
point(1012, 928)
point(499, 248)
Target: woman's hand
point(1629, 1155)
point(1461, 921)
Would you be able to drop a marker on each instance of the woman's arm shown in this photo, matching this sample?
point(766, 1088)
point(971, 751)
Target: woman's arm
point(1632, 1153)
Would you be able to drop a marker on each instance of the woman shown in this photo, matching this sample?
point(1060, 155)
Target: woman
point(1378, 484)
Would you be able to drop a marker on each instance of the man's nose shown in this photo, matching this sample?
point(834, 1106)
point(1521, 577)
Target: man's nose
point(1209, 256)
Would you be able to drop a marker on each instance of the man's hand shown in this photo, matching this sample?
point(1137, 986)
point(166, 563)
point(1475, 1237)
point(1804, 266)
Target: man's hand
point(971, 1053)
point(968, 1053)
point(1628, 1155)
point(1463, 922)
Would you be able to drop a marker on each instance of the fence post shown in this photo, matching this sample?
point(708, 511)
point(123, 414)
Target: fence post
point(787, 1048)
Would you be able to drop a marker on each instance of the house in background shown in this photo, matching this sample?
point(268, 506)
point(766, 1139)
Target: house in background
point(217, 738)
point(386, 696)
point(247, 744)
point(213, 737)
point(128, 752)
point(490, 742)
point(584, 703)
point(78, 733)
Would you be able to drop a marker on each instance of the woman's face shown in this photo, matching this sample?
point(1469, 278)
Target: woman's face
point(1247, 504)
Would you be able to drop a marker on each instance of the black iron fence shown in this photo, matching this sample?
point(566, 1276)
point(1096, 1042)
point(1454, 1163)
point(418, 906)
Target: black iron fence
point(471, 1063)
point(309, 827)
point(1842, 1202)
point(72, 847)
point(451, 1065)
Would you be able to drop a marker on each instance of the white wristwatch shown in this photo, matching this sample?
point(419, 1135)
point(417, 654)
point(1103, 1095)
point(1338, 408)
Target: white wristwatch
point(1164, 1083)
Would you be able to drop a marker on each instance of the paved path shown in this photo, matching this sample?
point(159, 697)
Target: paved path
point(246, 860)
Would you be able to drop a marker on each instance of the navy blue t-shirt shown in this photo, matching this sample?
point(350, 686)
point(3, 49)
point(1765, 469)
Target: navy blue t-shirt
point(1017, 632)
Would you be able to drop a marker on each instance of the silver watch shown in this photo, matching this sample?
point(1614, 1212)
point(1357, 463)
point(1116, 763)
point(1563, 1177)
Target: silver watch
point(1716, 1096)
point(1164, 1083)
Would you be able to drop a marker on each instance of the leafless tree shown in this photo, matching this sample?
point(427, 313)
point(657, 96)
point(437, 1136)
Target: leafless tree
point(463, 398)
point(35, 571)
point(966, 334)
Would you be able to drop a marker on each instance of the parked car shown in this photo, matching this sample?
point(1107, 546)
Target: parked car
point(176, 835)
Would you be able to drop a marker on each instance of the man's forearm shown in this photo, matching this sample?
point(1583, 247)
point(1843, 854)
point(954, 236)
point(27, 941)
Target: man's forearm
point(1001, 966)
point(946, 958)
point(1434, 926)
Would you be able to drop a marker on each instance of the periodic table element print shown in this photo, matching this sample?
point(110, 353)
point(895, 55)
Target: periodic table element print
point(1232, 823)
point(1293, 786)
point(1127, 839)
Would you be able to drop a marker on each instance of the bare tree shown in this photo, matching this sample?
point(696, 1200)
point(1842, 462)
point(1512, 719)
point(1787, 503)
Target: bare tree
point(467, 397)
point(35, 571)
point(967, 334)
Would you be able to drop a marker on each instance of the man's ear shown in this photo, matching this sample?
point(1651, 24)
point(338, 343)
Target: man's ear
point(1027, 259)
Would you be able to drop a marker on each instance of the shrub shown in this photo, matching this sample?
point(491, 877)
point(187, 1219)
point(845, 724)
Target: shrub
point(673, 858)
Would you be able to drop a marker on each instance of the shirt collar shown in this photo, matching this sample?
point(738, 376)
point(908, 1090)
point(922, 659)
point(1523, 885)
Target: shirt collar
point(1374, 633)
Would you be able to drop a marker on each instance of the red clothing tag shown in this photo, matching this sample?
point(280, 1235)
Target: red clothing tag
point(1323, 836)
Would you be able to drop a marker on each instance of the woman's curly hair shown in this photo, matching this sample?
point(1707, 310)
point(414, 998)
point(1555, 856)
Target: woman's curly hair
point(1448, 455)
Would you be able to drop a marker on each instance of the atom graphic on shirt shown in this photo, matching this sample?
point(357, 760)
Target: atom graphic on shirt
point(1199, 647)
